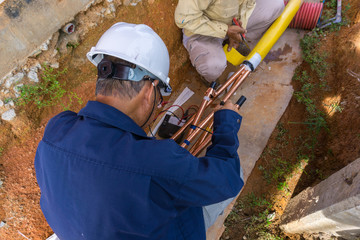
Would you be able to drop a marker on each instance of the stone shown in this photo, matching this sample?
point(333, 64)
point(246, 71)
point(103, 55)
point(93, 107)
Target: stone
point(8, 115)
point(112, 8)
point(271, 216)
point(55, 52)
point(44, 47)
point(2, 224)
point(1, 103)
point(9, 104)
point(16, 78)
point(5, 78)
point(17, 88)
point(135, 2)
point(55, 65)
point(32, 75)
point(35, 53)
point(36, 67)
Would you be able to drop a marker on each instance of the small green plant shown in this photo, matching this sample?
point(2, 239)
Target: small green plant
point(268, 236)
point(72, 45)
point(260, 220)
point(1, 150)
point(283, 186)
point(320, 174)
point(310, 49)
point(48, 92)
point(334, 107)
point(315, 117)
point(7, 100)
point(281, 131)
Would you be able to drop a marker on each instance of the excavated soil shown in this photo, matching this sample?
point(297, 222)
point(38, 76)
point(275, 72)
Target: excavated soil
point(20, 194)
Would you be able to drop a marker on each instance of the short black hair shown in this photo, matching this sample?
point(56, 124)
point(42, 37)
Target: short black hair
point(115, 87)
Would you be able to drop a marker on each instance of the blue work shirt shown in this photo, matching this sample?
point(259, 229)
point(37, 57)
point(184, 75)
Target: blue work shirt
point(102, 178)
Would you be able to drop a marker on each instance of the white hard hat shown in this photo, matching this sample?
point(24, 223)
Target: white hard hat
point(137, 44)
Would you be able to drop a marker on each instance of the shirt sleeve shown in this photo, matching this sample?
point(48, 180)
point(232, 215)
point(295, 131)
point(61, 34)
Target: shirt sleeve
point(189, 14)
point(215, 177)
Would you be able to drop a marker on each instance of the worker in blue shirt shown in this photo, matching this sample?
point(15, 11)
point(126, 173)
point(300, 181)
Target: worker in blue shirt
point(102, 178)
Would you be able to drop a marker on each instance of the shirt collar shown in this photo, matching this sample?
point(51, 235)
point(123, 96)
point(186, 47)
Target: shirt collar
point(112, 116)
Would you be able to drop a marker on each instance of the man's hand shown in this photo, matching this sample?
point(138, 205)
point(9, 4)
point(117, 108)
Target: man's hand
point(228, 105)
point(233, 33)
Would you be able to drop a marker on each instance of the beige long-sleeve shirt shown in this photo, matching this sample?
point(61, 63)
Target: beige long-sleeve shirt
point(211, 17)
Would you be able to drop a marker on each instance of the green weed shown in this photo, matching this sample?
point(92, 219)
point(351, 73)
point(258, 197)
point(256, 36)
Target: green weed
point(259, 221)
point(277, 172)
point(72, 45)
point(334, 107)
point(1, 150)
point(7, 100)
point(268, 236)
point(310, 50)
point(48, 92)
point(282, 131)
point(315, 117)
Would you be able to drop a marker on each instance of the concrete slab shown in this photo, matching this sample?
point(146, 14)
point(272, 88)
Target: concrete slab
point(268, 91)
point(25, 25)
point(331, 207)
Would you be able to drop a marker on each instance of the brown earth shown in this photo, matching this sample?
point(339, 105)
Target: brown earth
point(20, 194)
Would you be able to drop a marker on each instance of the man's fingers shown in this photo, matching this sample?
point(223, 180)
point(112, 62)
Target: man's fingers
point(232, 44)
point(230, 106)
point(235, 31)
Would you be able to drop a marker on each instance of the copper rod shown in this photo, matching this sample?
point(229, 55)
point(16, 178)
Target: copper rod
point(203, 145)
point(182, 129)
point(236, 85)
point(202, 137)
point(206, 99)
point(216, 94)
point(196, 131)
point(229, 81)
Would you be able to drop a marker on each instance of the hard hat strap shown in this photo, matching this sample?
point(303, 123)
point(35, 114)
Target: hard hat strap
point(109, 69)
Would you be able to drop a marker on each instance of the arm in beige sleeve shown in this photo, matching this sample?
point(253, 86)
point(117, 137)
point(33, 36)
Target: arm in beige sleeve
point(189, 14)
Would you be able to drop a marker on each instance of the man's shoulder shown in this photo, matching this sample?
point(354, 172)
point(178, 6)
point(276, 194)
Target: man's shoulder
point(59, 120)
point(63, 116)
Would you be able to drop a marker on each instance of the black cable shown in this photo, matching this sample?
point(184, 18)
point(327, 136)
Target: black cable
point(203, 129)
point(171, 113)
point(151, 131)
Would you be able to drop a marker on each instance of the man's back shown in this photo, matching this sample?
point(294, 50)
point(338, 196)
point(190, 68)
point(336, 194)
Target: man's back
point(102, 178)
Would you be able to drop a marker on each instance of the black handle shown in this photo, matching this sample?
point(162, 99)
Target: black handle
point(241, 101)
